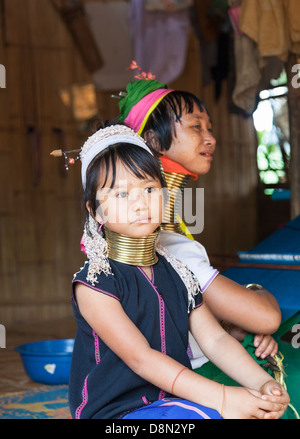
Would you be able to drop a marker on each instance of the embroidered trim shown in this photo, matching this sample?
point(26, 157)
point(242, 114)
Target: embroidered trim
point(145, 400)
point(161, 313)
point(163, 347)
point(85, 397)
point(97, 348)
point(97, 289)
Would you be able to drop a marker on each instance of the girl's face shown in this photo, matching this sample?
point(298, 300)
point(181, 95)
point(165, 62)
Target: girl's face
point(133, 206)
point(194, 144)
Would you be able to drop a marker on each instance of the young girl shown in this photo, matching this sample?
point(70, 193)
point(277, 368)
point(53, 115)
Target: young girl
point(134, 304)
point(177, 125)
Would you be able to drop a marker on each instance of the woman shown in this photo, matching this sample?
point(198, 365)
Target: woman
point(177, 126)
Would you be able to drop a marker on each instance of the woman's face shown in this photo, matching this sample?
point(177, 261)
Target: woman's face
point(193, 145)
point(133, 207)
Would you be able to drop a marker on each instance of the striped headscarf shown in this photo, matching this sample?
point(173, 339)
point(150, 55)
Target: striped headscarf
point(142, 97)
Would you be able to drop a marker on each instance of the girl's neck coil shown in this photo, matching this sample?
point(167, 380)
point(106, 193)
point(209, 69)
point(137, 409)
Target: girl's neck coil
point(129, 250)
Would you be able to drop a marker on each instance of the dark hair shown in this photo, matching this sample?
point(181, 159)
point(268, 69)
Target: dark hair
point(168, 111)
point(136, 159)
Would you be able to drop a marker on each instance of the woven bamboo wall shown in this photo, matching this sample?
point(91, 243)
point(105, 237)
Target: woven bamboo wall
point(40, 216)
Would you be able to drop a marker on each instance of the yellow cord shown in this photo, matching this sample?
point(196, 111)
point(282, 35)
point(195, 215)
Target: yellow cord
point(279, 377)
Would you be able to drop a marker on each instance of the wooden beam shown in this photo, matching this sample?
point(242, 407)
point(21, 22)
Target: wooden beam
point(73, 14)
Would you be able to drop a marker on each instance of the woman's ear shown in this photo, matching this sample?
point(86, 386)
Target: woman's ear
point(151, 139)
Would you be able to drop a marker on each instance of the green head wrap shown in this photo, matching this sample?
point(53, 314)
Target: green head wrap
point(136, 90)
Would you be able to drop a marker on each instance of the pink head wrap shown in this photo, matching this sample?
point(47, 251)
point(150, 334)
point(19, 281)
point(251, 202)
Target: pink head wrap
point(139, 113)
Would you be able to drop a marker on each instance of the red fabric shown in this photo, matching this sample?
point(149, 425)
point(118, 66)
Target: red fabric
point(171, 166)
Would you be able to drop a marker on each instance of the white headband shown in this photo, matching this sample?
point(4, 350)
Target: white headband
point(102, 139)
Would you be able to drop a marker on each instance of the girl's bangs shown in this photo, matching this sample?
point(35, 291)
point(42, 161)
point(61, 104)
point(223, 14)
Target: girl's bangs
point(136, 160)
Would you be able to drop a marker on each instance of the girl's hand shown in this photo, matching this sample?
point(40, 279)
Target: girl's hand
point(265, 345)
point(243, 403)
point(275, 392)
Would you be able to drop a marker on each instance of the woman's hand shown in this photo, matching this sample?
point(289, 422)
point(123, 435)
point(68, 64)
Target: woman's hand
point(265, 345)
point(244, 403)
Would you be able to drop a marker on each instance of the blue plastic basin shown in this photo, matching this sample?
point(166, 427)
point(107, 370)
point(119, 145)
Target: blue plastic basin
point(49, 361)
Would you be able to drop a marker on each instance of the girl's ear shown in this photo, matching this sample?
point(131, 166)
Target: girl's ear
point(88, 207)
point(97, 217)
point(151, 139)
